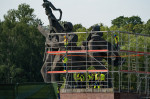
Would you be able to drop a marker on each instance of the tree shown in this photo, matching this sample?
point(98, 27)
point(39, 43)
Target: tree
point(127, 22)
point(146, 29)
point(76, 27)
point(22, 45)
point(134, 20)
point(119, 21)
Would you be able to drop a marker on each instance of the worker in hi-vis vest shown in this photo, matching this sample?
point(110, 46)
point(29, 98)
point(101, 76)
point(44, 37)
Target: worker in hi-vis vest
point(65, 42)
point(58, 93)
point(78, 80)
point(102, 80)
point(65, 60)
point(116, 41)
point(97, 78)
point(82, 80)
point(90, 79)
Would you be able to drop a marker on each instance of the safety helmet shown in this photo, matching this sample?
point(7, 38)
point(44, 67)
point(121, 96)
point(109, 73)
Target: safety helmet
point(115, 35)
point(64, 36)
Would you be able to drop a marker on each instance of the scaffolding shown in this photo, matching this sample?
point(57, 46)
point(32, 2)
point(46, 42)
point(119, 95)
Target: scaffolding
point(126, 67)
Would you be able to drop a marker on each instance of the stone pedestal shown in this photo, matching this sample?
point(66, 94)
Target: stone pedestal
point(103, 93)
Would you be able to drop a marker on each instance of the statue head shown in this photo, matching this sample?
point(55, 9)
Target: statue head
point(96, 28)
point(68, 26)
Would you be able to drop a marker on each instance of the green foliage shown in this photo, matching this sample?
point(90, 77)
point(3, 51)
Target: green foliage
point(146, 29)
point(129, 23)
point(76, 27)
point(22, 46)
point(81, 36)
point(119, 21)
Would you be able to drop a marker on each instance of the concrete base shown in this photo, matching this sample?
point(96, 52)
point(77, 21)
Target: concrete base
point(105, 93)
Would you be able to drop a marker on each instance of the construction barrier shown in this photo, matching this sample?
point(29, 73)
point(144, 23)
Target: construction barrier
point(28, 91)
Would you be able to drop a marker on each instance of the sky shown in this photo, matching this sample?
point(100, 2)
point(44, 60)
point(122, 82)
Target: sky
point(85, 12)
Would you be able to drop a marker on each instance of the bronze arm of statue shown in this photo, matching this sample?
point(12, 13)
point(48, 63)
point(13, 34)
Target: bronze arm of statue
point(48, 4)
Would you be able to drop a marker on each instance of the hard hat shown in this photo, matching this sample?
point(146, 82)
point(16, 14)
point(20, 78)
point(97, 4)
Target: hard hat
point(115, 35)
point(65, 36)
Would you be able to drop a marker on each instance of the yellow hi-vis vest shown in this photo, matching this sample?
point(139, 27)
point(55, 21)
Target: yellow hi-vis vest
point(82, 77)
point(65, 60)
point(96, 78)
point(78, 76)
point(102, 77)
point(65, 42)
point(116, 39)
point(57, 90)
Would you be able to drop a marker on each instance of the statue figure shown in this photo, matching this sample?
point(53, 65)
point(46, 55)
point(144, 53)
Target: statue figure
point(52, 41)
point(53, 22)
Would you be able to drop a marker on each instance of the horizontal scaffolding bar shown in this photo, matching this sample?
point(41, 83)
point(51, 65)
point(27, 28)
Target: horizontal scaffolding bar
point(140, 72)
point(103, 56)
point(76, 51)
point(135, 52)
point(75, 71)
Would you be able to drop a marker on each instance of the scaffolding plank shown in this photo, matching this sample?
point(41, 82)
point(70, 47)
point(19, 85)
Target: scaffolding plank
point(75, 71)
point(76, 51)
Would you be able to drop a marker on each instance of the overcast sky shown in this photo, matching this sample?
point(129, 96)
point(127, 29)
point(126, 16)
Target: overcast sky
point(86, 12)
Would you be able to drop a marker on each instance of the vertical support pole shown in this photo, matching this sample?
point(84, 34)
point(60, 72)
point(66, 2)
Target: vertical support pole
point(146, 65)
point(51, 61)
point(112, 65)
point(137, 65)
point(120, 62)
point(72, 74)
point(67, 63)
point(128, 63)
point(86, 62)
point(121, 65)
point(107, 63)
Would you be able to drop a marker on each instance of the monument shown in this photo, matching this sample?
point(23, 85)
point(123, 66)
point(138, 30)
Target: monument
point(55, 42)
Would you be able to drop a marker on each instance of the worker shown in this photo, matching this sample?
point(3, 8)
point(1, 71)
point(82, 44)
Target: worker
point(78, 80)
point(90, 78)
point(65, 42)
point(82, 80)
point(65, 60)
point(116, 41)
point(96, 81)
point(58, 92)
point(102, 79)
